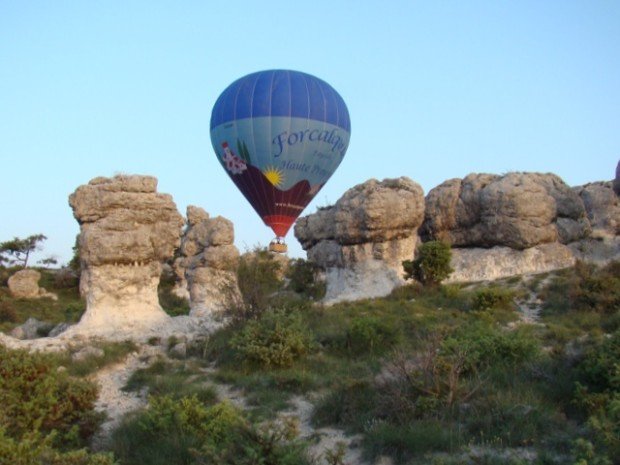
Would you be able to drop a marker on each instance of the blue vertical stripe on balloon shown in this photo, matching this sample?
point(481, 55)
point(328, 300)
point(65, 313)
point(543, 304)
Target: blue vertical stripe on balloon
point(250, 96)
point(281, 95)
point(260, 104)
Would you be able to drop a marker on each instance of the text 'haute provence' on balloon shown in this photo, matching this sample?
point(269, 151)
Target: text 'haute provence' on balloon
point(280, 135)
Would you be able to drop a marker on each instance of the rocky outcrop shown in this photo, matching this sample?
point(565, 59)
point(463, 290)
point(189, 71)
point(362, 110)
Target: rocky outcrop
point(24, 284)
point(478, 264)
point(208, 262)
point(127, 230)
point(361, 241)
point(617, 180)
point(603, 208)
point(517, 210)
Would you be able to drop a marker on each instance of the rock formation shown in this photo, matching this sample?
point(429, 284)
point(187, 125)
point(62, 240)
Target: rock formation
point(603, 209)
point(617, 180)
point(127, 230)
point(208, 262)
point(505, 225)
point(362, 240)
point(498, 226)
point(517, 210)
point(24, 284)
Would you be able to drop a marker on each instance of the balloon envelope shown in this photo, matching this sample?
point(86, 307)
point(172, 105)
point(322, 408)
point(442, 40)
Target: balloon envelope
point(280, 135)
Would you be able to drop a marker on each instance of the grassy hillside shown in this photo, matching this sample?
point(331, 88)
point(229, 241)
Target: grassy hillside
point(524, 370)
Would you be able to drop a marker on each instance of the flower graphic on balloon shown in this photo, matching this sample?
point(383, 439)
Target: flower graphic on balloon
point(232, 162)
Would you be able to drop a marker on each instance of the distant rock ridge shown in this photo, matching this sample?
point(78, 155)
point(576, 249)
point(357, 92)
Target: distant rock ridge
point(497, 225)
point(208, 262)
point(127, 231)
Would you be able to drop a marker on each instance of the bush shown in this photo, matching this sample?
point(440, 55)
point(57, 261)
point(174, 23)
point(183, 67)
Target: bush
point(492, 297)
point(37, 398)
point(181, 431)
point(369, 334)
point(277, 339)
point(302, 275)
point(432, 265)
point(587, 288)
point(258, 275)
point(32, 449)
point(598, 392)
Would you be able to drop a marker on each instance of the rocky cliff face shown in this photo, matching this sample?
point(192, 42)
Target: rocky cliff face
point(603, 209)
point(506, 225)
point(517, 210)
point(127, 230)
point(361, 241)
point(208, 262)
point(497, 225)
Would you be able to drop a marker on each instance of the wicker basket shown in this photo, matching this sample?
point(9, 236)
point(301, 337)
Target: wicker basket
point(277, 247)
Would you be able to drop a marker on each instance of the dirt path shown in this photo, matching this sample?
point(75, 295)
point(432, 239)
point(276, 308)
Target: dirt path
point(115, 402)
point(323, 439)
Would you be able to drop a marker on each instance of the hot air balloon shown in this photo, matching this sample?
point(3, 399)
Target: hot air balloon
point(280, 135)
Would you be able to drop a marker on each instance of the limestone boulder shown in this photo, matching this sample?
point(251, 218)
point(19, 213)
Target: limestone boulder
point(24, 284)
point(516, 210)
point(602, 205)
point(127, 231)
point(208, 260)
point(375, 211)
point(361, 241)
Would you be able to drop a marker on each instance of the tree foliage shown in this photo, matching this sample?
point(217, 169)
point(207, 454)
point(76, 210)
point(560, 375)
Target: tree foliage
point(432, 265)
point(259, 277)
point(19, 250)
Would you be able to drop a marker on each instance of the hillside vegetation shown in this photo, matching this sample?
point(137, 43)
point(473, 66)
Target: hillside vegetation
point(524, 370)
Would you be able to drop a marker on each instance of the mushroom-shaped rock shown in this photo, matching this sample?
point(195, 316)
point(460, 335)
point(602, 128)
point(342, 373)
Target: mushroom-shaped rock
point(127, 230)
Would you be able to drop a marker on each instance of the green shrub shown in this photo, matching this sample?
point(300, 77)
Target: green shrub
point(491, 297)
point(370, 334)
point(405, 442)
point(36, 397)
point(183, 431)
point(258, 275)
point(432, 264)
point(585, 288)
point(277, 339)
point(302, 275)
point(598, 392)
point(33, 449)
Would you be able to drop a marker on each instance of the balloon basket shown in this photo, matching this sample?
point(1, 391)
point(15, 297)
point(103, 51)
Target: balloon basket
point(278, 247)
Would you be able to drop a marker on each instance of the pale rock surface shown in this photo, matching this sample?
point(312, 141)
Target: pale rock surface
point(516, 210)
point(127, 230)
point(24, 284)
point(480, 264)
point(361, 241)
point(208, 262)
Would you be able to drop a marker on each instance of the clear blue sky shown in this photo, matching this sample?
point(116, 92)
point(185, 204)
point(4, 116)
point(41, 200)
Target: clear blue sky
point(435, 90)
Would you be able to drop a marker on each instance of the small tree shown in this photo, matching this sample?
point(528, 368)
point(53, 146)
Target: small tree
point(432, 265)
point(258, 276)
point(20, 249)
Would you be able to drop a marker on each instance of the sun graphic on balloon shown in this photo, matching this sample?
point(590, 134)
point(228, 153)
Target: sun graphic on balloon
point(274, 175)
